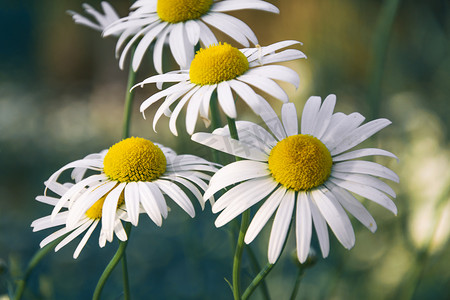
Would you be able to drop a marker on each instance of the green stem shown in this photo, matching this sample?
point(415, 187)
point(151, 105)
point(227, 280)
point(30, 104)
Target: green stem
point(238, 254)
point(126, 285)
point(256, 267)
point(257, 280)
point(381, 43)
point(128, 101)
point(112, 264)
point(244, 225)
point(40, 254)
point(301, 273)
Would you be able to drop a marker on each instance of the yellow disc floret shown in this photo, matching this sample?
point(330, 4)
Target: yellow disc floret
point(174, 11)
point(300, 162)
point(216, 64)
point(134, 159)
point(95, 211)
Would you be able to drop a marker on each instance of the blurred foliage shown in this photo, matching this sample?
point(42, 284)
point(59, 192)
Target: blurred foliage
point(61, 97)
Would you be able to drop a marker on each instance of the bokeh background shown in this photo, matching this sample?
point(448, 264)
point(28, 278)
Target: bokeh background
point(61, 98)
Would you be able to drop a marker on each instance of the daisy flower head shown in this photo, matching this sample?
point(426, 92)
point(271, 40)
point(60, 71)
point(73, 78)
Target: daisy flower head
point(134, 176)
point(183, 24)
point(225, 69)
point(101, 20)
point(311, 168)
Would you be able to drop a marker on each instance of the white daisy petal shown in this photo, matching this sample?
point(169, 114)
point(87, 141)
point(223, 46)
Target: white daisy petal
point(246, 93)
point(353, 206)
point(191, 187)
point(177, 45)
point(263, 214)
point(335, 134)
point(109, 210)
point(155, 97)
point(226, 100)
point(276, 72)
point(47, 222)
point(193, 31)
point(235, 172)
point(241, 26)
point(286, 55)
point(85, 239)
point(280, 226)
point(132, 201)
point(367, 192)
point(247, 4)
point(89, 198)
point(362, 153)
point(230, 146)
point(207, 37)
point(120, 231)
point(323, 117)
point(269, 50)
point(289, 117)
point(223, 24)
point(74, 234)
point(365, 167)
point(177, 110)
point(321, 228)
point(193, 109)
point(309, 114)
point(144, 43)
point(271, 120)
point(247, 198)
point(359, 135)
point(266, 85)
point(335, 216)
point(158, 49)
point(367, 180)
point(149, 203)
point(159, 198)
point(177, 195)
point(303, 229)
point(236, 193)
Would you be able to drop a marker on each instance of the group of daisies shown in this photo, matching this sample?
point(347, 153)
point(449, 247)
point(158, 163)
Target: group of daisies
point(307, 173)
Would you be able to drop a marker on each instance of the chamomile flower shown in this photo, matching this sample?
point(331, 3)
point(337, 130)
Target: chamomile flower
point(311, 169)
point(183, 23)
point(101, 20)
point(134, 176)
point(226, 69)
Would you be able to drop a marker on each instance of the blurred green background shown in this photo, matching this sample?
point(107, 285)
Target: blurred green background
point(61, 98)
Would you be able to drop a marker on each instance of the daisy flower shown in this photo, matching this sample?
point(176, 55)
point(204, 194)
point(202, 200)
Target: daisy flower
point(134, 175)
point(311, 169)
point(183, 23)
point(101, 20)
point(226, 69)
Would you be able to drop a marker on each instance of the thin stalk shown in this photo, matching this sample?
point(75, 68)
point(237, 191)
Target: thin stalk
point(112, 264)
point(126, 285)
point(301, 273)
point(40, 254)
point(256, 267)
point(237, 260)
point(128, 101)
point(263, 273)
point(238, 255)
point(381, 43)
point(257, 280)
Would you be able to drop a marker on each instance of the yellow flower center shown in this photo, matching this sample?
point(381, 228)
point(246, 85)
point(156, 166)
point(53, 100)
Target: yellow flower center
point(95, 211)
point(134, 159)
point(300, 162)
point(217, 63)
point(174, 11)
